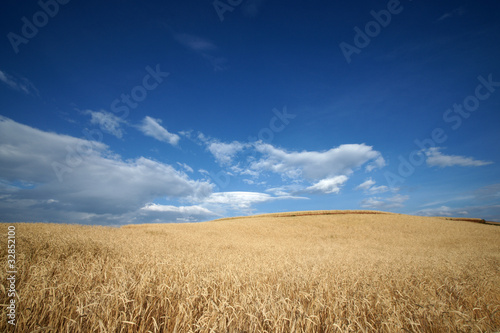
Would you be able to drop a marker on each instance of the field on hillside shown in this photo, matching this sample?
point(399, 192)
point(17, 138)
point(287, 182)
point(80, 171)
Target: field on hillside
point(298, 272)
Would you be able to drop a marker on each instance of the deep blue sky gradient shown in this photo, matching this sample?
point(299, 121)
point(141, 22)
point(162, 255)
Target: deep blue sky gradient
point(225, 79)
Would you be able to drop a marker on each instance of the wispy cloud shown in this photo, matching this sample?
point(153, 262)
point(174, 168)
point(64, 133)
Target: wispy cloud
point(454, 13)
point(18, 83)
point(152, 127)
point(225, 152)
point(240, 201)
point(438, 211)
point(378, 163)
point(179, 209)
point(487, 212)
point(385, 203)
point(366, 185)
point(195, 43)
point(436, 158)
point(441, 202)
point(185, 167)
point(204, 47)
point(480, 203)
point(252, 7)
point(489, 193)
point(107, 121)
point(369, 187)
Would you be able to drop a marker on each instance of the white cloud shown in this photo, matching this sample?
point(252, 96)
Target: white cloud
point(240, 201)
point(328, 185)
point(314, 165)
point(151, 127)
point(366, 185)
point(448, 200)
point(195, 43)
point(385, 203)
point(225, 152)
point(285, 190)
point(439, 211)
point(185, 167)
point(253, 182)
point(378, 189)
point(95, 184)
point(436, 158)
point(379, 163)
point(108, 122)
point(18, 83)
point(186, 210)
point(249, 172)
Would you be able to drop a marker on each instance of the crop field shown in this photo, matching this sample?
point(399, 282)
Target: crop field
point(326, 271)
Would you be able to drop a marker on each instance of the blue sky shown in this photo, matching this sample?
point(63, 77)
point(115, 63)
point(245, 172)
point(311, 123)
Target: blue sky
point(123, 112)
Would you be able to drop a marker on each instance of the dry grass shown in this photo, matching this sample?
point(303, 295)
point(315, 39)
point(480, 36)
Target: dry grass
point(299, 273)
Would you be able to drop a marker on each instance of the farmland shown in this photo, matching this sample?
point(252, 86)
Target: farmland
point(323, 271)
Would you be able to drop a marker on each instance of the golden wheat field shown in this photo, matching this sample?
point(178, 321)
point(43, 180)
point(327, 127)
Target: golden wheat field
point(298, 272)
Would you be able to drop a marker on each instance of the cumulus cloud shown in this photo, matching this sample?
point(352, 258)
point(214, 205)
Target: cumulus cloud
point(436, 158)
point(314, 165)
point(327, 185)
point(326, 171)
point(79, 179)
point(151, 127)
point(18, 83)
point(107, 121)
point(385, 203)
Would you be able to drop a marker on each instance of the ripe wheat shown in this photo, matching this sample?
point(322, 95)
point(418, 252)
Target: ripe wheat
point(296, 272)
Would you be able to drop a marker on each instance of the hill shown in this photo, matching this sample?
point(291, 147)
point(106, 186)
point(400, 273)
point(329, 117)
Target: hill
point(323, 271)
